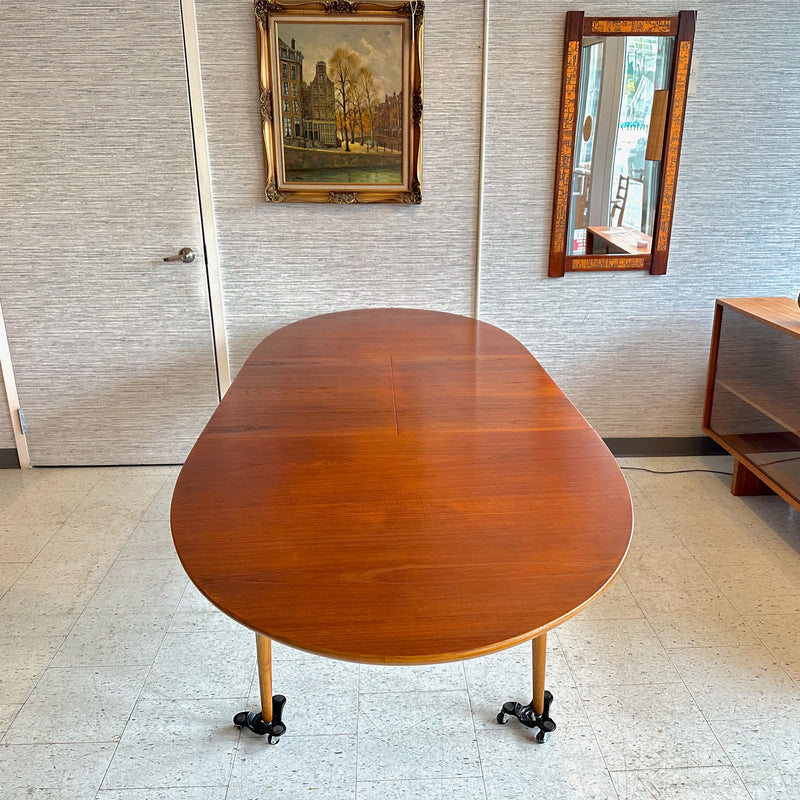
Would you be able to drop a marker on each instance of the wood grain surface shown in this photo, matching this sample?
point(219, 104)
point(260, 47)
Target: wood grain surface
point(399, 486)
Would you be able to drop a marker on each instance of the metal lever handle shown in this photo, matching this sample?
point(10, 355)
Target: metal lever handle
point(185, 254)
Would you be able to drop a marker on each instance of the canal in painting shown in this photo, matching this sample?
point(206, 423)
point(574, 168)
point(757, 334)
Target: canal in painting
point(361, 175)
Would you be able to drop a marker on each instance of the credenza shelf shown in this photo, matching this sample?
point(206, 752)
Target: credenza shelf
point(752, 405)
point(766, 404)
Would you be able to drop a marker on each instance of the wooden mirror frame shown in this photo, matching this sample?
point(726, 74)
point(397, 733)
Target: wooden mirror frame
point(682, 28)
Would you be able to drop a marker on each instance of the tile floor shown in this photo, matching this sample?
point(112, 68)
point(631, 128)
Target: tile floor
point(118, 681)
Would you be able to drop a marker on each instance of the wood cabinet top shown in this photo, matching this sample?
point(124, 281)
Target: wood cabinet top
point(781, 313)
point(399, 486)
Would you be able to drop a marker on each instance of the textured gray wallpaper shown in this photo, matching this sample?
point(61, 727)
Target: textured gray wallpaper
point(631, 349)
point(283, 262)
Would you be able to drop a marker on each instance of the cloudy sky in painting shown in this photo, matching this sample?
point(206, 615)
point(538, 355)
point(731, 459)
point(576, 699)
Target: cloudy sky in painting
point(378, 46)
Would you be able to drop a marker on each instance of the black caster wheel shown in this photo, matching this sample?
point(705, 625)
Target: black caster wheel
point(508, 710)
point(546, 728)
point(541, 723)
point(254, 721)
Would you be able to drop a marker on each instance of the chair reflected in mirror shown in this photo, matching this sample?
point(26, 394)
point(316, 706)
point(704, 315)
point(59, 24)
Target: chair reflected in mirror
point(619, 202)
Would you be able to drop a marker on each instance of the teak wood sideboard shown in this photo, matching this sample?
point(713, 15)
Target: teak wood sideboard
point(751, 406)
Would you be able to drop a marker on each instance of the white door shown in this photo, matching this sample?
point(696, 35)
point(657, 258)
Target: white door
point(112, 346)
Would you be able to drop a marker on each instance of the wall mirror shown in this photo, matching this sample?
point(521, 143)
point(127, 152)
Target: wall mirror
point(623, 101)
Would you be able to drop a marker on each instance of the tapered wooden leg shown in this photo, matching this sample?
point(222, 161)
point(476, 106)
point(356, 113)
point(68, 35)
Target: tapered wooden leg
point(264, 654)
point(537, 713)
point(539, 663)
point(269, 720)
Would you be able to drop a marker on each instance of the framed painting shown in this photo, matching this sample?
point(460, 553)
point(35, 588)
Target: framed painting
point(341, 100)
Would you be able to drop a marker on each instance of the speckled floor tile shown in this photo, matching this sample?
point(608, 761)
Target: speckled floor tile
point(124, 493)
point(202, 665)
point(708, 783)
point(616, 602)
point(601, 652)
point(650, 727)
point(77, 704)
point(694, 619)
point(41, 506)
point(759, 588)
point(651, 529)
point(726, 541)
point(299, 767)
point(736, 682)
point(8, 713)
point(73, 479)
point(765, 784)
point(411, 678)
point(780, 634)
point(23, 661)
point(168, 793)
point(670, 568)
point(160, 504)
point(61, 562)
point(9, 574)
point(441, 789)
point(567, 767)
point(766, 753)
point(32, 608)
point(53, 771)
point(141, 586)
point(194, 612)
point(151, 538)
point(113, 638)
point(175, 743)
point(403, 736)
point(24, 541)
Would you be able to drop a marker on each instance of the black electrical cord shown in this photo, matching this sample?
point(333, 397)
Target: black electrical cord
point(676, 471)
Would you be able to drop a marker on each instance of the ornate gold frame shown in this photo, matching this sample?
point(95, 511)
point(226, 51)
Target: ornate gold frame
point(682, 28)
point(396, 12)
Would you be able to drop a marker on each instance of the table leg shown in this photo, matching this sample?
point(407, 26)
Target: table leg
point(539, 662)
point(537, 713)
point(268, 721)
point(264, 656)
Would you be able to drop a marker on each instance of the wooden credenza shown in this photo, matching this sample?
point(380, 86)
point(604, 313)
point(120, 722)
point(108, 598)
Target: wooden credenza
point(752, 405)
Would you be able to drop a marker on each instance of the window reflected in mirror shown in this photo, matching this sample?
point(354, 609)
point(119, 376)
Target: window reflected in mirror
point(623, 102)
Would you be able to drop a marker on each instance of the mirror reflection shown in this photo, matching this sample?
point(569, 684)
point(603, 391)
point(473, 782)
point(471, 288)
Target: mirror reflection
point(622, 106)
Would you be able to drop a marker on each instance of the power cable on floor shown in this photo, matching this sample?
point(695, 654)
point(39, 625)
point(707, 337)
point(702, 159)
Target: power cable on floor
point(676, 471)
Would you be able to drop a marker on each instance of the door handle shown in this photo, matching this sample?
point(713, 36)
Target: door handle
point(185, 254)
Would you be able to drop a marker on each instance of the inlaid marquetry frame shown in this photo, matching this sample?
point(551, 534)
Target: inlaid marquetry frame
point(682, 28)
point(407, 14)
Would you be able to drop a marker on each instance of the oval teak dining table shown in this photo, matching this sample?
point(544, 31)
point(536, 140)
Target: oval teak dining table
point(399, 486)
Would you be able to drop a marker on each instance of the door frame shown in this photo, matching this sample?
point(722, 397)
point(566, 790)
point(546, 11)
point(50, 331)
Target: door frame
point(208, 226)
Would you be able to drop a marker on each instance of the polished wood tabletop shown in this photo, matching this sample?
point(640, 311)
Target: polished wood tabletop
point(399, 486)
